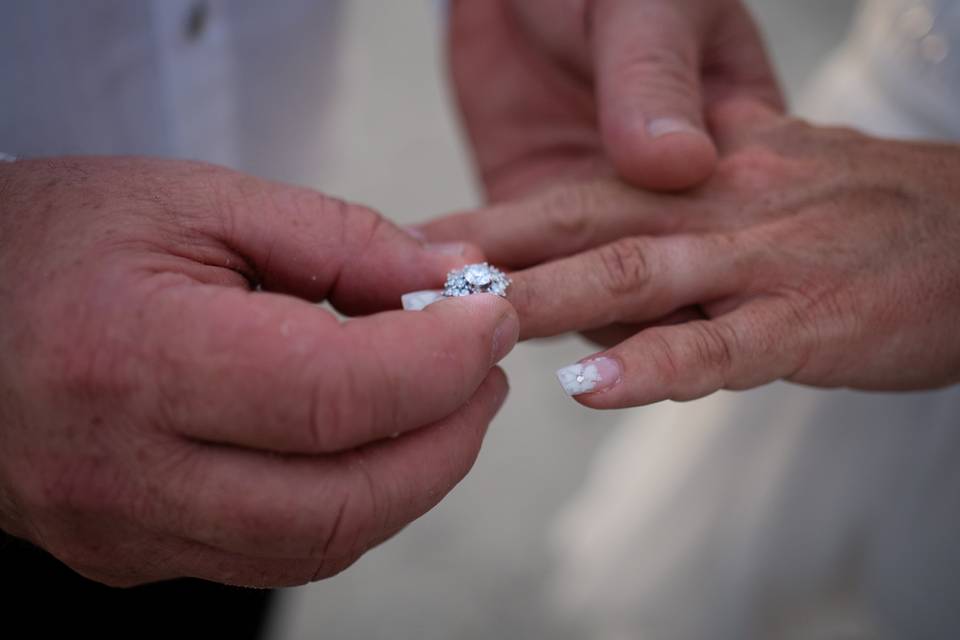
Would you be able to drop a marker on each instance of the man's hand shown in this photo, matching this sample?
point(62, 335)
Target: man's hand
point(159, 417)
point(814, 255)
point(550, 89)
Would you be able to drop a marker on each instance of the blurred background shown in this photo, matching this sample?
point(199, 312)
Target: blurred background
point(479, 565)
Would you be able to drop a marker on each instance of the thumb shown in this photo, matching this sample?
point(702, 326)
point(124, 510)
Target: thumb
point(647, 61)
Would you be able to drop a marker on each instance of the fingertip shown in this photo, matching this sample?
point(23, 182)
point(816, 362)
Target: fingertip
point(666, 154)
point(592, 377)
point(484, 314)
point(610, 380)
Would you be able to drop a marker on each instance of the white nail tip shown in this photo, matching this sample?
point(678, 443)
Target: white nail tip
point(578, 379)
point(420, 300)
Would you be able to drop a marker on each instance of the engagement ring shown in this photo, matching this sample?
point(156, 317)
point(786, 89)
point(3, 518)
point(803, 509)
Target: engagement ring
point(476, 278)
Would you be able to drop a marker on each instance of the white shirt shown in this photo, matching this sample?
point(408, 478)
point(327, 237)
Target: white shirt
point(237, 82)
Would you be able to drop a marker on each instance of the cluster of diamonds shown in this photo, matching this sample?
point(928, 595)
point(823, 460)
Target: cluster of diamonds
point(476, 278)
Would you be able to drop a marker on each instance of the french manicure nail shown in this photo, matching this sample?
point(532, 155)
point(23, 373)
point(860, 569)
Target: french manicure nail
point(420, 300)
point(665, 126)
point(589, 376)
point(446, 248)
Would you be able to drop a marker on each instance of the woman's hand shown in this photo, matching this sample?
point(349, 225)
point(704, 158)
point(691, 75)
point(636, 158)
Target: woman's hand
point(814, 255)
point(172, 403)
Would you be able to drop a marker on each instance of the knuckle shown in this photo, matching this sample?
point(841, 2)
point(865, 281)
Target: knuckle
point(565, 211)
point(660, 70)
point(625, 266)
point(335, 532)
point(341, 411)
point(665, 360)
point(696, 365)
point(713, 350)
point(333, 542)
point(525, 298)
point(341, 219)
point(209, 197)
point(362, 226)
point(754, 170)
point(809, 313)
point(326, 415)
point(662, 59)
point(267, 528)
point(360, 514)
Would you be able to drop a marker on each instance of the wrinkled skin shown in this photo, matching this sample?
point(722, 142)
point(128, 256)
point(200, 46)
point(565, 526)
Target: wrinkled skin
point(159, 417)
point(816, 255)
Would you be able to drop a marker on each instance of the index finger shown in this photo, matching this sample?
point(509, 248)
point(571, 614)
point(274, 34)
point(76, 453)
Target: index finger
point(562, 221)
point(273, 372)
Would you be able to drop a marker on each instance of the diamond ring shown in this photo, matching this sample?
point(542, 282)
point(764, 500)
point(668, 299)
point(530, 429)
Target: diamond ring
point(476, 278)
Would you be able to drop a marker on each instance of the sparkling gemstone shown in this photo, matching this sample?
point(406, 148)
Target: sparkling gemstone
point(476, 278)
point(478, 275)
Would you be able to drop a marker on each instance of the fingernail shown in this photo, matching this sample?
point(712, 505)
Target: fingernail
point(420, 300)
point(589, 376)
point(416, 234)
point(665, 126)
point(505, 336)
point(446, 248)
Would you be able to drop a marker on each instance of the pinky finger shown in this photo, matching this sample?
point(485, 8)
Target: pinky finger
point(741, 350)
